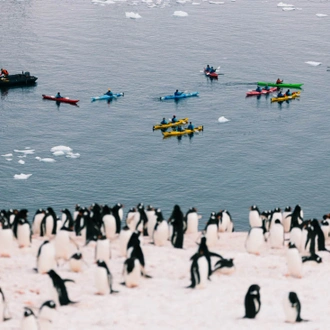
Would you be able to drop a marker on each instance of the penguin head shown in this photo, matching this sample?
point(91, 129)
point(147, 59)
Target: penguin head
point(278, 221)
point(28, 312)
point(254, 289)
point(288, 209)
point(254, 208)
point(77, 256)
point(292, 245)
point(293, 297)
point(49, 303)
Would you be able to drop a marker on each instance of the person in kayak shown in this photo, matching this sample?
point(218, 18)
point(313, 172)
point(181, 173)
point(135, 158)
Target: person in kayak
point(280, 94)
point(4, 73)
point(266, 88)
point(212, 70)
point(109, 93)
point(180, 129)
point(288, 93)
point(177, 93)
point(58, 95)
point(207, 68)
point(258, 89)
point(190, 126)
point(164, 122)
point(174, 119)
point(279, 81)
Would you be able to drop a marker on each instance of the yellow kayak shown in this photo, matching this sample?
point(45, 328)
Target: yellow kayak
point(180, 122)
point(185, 131)
point(285, 98)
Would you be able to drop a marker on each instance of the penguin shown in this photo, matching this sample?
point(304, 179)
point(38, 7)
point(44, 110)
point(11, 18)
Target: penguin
point(151, 215)
point(252, 302)
point(319, 235)
point(224, 266)
point(254, 217)
point(93, 223)
point(211, 230)
point(62, 243)
point(199, 271)
point(29, 321)
point(191, 220)
point(24, 233)
point(36, 222)
point(276, 235)
point(67, 220)
point(142, 224)
point(160, 232)
point(276, 215)
point(79, 222)
point(109, 222)
point(45, 258)
point(325, 226)
point(48, 224)
point(312, 257)
point(11, 214)
point(3, 308)
point(297, 216)
point(298, 235)
point(294, 261)
point(292, 308)
point(124, 236)
point(76, 211)
point(20, 215)
point(255, 240)
point(132, 272)
point(266, 218)
point(176, 220)
point(225, 221)
point(46, 316)
point(6, 238)
point(102, 249)
point(117, 212)
point(132, 218)
point(75, 262)
point(286, 216)
point(61, 294)
point(103, 278)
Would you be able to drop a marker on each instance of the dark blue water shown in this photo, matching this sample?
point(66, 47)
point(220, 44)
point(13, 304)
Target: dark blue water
point(268, 154)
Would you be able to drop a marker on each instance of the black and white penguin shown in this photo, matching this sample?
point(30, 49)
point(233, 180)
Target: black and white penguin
point(67, 220)
point(191, 220)
point(60, 292)
point(102, 248)
point(109, 222)
point(297, 216)
point(103, 278)
point(199, 270)
point(292, 308)
point(254, 217)
point(226, 223)
point(142, 224)
point(255, 240)
point(3, 308)
point(294, 261)
point(79, 222)
point(160, 232)
point(24, 233)
point(151, 215)
point(29, 321)
point(124, 236)
point(176, 220)
point(62, 243)
point(46, 257)
point(118, 212)
point(286, 216)
point(46, 316)
point(20, 215)
point(313, 257)
point(276, 235)
point(48, 225)
point(276, 215)
point(211, 230)
point(11, 214)
point(132, 218)
point(6, 238)
point(224, 266)
point(36, 222)
point(252, 301)
point(325, 226)
point(132, 272)
point(76, 262)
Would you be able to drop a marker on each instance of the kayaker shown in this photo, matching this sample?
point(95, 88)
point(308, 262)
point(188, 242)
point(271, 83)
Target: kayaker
point(258, 89)
point(109, 93)
point(212, 69)
point(190, 126)
point(4, 73)
point(177, 93)
point(164, 121)
point(280, 94)
point(288, 93)
point(174, 119)
point(266, 88)
point(207, 68)
point(180, 129)
point(58, 95)
point(279, 81)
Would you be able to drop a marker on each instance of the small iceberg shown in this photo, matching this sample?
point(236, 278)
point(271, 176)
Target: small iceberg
point(46, 160)
point(216, 2)
point(282, 4)
point(26, 151)
point(321, 15)
point(72, 155)
point(195, 3)
point(59, 153)
point(21, 176)
point(132, 15)
point(288, 8)
point(7, 155)
point(61, 148)
point(312, 63)
point(21, 161)
point(180, 13)
point(223, 119)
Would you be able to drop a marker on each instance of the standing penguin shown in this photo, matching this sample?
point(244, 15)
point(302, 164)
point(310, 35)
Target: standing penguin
point(225, 221)
point(297, 216)
point(292, 308)
point(45, 258)
point(60, 291)
point(191, 220)
point(124, 236)
point(3, 308)
point(117, 212)
point(132, 218)
point(276, 215)
point(276, 235)
point(67, 219)
point(132, 272)
point(294, 261)
point(211, 230)
point(20, 217)
point(252, 302)
point(47, 313)
point(199, 270)
point(142, 224)
point(151, 215)
point(102, 248)
point(6, 238)
point(75, 262)
point(254, 217)
point(37, 218)
point(255, 240)
point(160, 232)
point(103, 278)
point(286, 216)
point(62, 242)
point(29, 321)
point(109, 222)
point(325, 226)
point(48, 224)
point(24, 233)
point(176, 219)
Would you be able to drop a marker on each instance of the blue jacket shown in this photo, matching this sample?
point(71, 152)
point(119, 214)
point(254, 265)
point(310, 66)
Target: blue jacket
point(191, 127)
point(163, 122)
point(174, 120)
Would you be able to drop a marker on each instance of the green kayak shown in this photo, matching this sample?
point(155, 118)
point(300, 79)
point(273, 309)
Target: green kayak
point(262, 83)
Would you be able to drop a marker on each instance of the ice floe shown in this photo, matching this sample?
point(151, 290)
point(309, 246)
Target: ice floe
point(321, 15)
point(288, 8)
point(282, 4)
point(7, 155)
point(21, 161)
point(180, 13)
point(132, 15)
point(25, 151)
point(216, 2)
point(46, 160)
point(65, 149)
point(72, 155)
point(223, 119)
point(312, 63)
point(21, 176)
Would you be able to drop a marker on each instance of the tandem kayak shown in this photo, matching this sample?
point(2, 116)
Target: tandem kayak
point(261, 83)
point(212, 75)
point(23, 79)
point(285, 98)
point(59, 99)
point(181, 96)
point(106, 97)
point(185, 131)
point(264, 91)
point(182, 121)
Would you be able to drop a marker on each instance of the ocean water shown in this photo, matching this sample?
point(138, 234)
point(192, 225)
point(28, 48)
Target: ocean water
point(268, 154)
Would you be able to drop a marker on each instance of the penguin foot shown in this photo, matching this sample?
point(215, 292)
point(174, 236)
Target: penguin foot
point(147, 276)
point(4, 255)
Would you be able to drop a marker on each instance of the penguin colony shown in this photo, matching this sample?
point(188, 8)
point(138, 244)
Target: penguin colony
point(63, 241)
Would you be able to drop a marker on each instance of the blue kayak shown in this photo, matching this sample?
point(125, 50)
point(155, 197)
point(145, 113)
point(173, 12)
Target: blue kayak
point(107, 97)
point(181, 96)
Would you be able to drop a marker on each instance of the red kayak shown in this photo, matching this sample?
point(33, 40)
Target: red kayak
point(60, 99)
point(264, 91)
point(212, 75)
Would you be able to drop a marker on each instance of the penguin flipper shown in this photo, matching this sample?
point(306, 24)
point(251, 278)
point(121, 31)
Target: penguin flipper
point(147, 276)
point(113, 291)
point(68, 280)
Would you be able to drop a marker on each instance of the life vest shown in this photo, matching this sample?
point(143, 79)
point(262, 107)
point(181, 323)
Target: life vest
point(5, 72)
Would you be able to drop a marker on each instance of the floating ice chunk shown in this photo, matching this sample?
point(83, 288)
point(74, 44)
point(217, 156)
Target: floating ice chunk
point(181, 1)
point(312, 63)
point(61, 148)
point(180, 13)
point(132, 15)
point(196, 3)
point(288, 8)
point(321, 15)
point(21, 161)
point(216, 2)
point(7, 155)
point(26, 151)
point(9, 159)
point(72, 155)
point(21, 176)
point(58, 153)
point(46, 160)
point(282, 4)
point(223, 119)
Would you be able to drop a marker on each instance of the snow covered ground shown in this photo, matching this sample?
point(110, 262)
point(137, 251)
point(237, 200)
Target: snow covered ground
point(163, 301)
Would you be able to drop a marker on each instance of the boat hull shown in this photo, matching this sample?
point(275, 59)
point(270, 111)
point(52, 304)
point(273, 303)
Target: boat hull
point(107, 97)
point(186, 131)
point(263, 92)
point(176, 97)
point(212, 75)
point(16, 80)
point(262, 83)
point(183, 121)
point(285, 98)
point(59, 99)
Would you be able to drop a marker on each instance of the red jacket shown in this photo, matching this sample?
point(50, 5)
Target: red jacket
point(5, 72)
